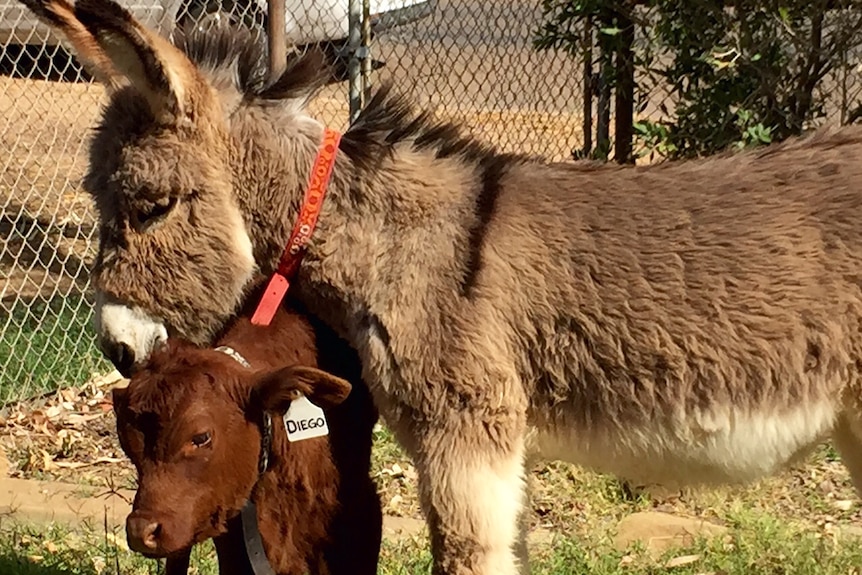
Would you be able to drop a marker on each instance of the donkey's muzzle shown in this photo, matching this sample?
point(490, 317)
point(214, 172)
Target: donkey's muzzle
point(121, 355)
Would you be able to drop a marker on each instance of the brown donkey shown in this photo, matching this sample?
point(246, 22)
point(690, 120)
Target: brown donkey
point(204, 429)
point(694, 322)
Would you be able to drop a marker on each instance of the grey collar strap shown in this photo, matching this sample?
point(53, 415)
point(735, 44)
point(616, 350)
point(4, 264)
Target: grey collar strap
point(251, 537)
point(234, 354)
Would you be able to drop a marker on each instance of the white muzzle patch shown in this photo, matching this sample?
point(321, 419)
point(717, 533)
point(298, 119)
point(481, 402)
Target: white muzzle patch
point(118, 325)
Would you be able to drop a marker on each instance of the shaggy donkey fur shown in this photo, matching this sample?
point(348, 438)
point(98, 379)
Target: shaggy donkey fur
point(691, 322)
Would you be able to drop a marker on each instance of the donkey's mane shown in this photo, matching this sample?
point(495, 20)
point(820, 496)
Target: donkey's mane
point(388, 118)
point(234, 52)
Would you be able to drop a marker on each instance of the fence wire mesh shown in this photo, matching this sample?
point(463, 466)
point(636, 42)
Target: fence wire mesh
point(474, 61)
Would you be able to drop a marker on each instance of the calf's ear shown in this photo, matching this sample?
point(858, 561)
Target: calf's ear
point(277, 388)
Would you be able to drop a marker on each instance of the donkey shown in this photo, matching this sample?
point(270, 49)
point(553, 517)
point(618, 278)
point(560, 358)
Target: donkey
point(214, 459)
point(688, 323)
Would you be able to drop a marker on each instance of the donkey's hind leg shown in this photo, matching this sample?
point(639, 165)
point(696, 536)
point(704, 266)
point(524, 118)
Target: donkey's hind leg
point(471, 485)
point(847, 439)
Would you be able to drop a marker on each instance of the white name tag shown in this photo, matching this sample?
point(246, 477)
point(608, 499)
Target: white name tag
point(304, 420)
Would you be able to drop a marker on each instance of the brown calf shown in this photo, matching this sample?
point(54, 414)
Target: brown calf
point(191, 421)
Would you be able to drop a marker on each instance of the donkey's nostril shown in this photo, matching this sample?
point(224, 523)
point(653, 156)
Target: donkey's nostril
point(122, 356)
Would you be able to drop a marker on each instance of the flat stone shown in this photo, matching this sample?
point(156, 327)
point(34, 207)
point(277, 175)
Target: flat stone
point(850, 533)
point(659, 532)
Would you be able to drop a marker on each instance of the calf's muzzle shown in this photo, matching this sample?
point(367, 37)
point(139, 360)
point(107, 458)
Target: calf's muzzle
point(143, 533)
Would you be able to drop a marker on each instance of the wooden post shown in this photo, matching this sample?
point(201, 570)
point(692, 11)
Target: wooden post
point(354, 65)
point(276, 38)
point(607, 80)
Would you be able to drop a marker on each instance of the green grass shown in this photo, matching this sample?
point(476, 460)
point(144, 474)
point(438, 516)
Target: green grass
point(45, 345)
point(27, 549)
point(756, 544)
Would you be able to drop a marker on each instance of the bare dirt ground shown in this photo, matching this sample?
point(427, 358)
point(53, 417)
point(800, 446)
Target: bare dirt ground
point(46, 223)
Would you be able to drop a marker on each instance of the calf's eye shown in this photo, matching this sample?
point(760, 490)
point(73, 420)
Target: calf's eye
point(202, 439)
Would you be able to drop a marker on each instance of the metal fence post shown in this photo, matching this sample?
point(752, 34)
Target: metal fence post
point(366, 51)
point(354, 43)
point(276, 38)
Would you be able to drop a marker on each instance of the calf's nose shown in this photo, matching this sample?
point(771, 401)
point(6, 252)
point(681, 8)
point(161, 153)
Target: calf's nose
point(121, 355)
point(142, 533)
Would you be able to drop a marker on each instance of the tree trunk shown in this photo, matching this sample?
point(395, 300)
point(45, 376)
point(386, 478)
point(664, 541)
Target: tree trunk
point(624, 101)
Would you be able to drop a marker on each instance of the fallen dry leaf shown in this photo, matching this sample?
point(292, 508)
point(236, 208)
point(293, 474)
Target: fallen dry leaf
point(75, 419)
point(626, 560)
point(71, 464)
point(682, 560)
point(47, 461)
point(109, 460)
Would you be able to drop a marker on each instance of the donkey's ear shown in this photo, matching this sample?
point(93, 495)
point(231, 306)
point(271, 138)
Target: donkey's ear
point(276, 389)
point(152, 64)
point(60, 15)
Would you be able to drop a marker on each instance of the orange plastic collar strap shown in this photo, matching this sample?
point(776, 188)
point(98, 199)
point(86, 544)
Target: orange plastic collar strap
point(302, 230)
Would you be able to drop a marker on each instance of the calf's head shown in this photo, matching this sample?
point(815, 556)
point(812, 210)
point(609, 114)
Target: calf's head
point(175, 254)
point(190, 421)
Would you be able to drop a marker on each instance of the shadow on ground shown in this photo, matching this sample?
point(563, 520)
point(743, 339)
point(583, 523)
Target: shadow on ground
point(38, 62)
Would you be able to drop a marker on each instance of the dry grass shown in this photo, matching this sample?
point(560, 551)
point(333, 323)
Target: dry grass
point(45, 126)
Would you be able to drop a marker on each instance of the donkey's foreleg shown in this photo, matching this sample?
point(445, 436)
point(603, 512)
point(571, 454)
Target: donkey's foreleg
point(847, 439)
point(471, 482)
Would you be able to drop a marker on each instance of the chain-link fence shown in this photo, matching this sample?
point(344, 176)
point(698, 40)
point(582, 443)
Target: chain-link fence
point(474, 61)
point(471, 60)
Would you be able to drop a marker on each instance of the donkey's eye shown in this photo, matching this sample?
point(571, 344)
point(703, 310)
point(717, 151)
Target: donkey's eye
point(145, 217)
point(202, 439)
